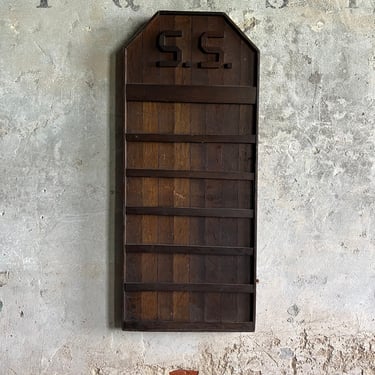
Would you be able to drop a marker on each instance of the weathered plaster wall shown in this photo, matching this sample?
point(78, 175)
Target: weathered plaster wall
point(316, 192)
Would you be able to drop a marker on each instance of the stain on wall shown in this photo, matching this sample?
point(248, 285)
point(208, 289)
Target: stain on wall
point(43, 4)
point(4, 277)
point(316, 200)
point(276, 3)
point(353, 4)
point(130, 3)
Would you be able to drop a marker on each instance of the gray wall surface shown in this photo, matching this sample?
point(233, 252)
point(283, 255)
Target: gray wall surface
point(316, 228)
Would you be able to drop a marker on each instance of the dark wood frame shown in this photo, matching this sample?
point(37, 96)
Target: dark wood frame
point(217, 94)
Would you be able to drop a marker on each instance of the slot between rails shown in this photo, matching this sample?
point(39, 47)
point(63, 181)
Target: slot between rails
point(196, 250)
point(167, 173)
point(186, 211)
point(202, 326)
point(184, 138)
point(178, 287)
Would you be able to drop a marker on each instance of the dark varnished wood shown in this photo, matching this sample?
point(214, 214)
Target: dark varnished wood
point(191, 94)
point(201, 250)
point(188, 211)
point(187, 138)
point(165, 123)
point(199, 326)
point(190, 287)
point(209, 175)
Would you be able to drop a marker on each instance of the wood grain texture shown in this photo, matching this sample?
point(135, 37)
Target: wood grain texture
point(177, 286)
point(181, 266)
point(207, 174)
point(190, 204)
point(191, 94)
point(189, 249)
point(183, 138)
point(198, 326)
point(188, 211)
point(149, 303)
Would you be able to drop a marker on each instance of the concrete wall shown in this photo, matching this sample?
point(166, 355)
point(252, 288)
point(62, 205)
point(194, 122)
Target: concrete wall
point(316, 192)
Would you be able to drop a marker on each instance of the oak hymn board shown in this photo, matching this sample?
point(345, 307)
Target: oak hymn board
point(191, 129)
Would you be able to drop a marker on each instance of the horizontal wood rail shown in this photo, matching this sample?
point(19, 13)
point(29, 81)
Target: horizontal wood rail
point(159, 325)
point(186, 138)
point(166, 173)
point(199, 250)
point(141, 92)
point(188, 211)
point(175, 287)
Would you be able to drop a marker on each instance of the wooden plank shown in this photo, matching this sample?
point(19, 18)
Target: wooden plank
point(149, 302)
point(165, 223)
point(188, 211)
point(214, 192)
point(133, 227)
point(209, 288)
point(166, 117)
point(229, 228)
point(182, 186)
point(191, 94)
point(133, 233)
point(189, 174)
point(246, 196)
point(189, 249)
point(197, 326)
point(197, 162)
point(184, 138)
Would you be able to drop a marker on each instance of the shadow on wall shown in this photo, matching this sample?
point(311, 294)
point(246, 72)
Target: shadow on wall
point(116, 228)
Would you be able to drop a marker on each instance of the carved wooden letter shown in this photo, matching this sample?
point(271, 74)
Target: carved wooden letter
point(162, 44)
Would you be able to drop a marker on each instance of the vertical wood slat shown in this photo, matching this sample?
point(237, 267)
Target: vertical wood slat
point(209, 310)
point(166, 118)
point(150, 192)
point(182, 186)
point(133, 231)
point(243, 233)
point(214, 161)
point(197, 160)
point(253, 66)
point(231, 190)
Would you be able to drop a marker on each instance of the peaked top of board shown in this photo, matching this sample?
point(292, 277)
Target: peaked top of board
point(227, 19)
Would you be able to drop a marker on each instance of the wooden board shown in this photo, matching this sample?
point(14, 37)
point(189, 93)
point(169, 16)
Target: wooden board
point(191, 109)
